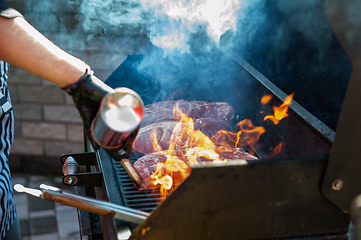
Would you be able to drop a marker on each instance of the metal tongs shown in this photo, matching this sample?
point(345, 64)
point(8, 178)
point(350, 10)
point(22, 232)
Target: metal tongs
point(85, 203)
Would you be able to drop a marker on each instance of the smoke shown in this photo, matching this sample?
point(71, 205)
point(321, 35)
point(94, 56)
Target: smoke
point(106, 16)
point(289, 42)
point(171, 25)
point(174, 22)
point(185, 26)
point(306, 17)
point(251, 18)
point(179, 26)
point(190, 36)
point(293, 45)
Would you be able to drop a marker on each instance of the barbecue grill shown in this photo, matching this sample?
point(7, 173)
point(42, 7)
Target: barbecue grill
point(306, 191)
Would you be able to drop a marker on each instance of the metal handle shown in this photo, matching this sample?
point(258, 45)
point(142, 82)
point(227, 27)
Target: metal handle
point(128, 167)
point(96, 206)
point(133, 174)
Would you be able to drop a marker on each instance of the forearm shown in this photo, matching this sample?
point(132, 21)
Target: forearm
point(24, 47)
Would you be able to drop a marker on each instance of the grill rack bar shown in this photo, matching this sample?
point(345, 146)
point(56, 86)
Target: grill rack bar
point(145, 200)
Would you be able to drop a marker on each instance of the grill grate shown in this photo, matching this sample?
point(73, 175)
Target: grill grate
point(142, 200)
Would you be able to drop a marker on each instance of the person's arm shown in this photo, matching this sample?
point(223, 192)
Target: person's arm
point(24, 47)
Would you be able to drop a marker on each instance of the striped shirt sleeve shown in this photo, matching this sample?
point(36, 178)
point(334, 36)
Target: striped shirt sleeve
point(7, 204)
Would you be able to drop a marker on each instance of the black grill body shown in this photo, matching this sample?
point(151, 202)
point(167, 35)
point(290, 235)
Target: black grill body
point(279, 198)
point(270, 198)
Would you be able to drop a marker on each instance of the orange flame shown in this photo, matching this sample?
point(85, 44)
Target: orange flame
point(266, 98)
point(188, 145)
point(281, 111)
point(249, 133)
point(170, 174)
point(191, 144)
point(275, 151)
point(153, 137)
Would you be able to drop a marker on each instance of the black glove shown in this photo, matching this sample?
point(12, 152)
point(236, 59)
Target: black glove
point(87, 94)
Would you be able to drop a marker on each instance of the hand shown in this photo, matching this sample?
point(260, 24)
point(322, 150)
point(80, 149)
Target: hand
point(87, 93)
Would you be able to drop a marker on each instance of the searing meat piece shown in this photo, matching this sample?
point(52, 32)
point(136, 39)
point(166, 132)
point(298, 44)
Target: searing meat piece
point(210, 127)
point(234, 153)
point(156, 134)
point(147, 165)
point(159, 121)
point(163, 111)
point(223, 154)
point(160, 134)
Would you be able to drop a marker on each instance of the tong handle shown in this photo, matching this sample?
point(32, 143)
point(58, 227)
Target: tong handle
point(73, 201)
point(132, 173)
point(96, 206)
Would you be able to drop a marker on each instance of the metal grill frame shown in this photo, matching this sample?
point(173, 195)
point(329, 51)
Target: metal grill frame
point(333, 220)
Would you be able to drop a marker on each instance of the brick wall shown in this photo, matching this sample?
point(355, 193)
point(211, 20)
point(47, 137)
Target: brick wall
point(46, 121)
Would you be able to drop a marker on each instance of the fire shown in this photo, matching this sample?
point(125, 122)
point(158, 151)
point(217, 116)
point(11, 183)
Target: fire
point(184, 135)
point(173, 168)
point(281, 111)
point(189, 146)
point(248, 134)
point(266, 98)
point(276, 150)
point(156, 145)
point(192, 144)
